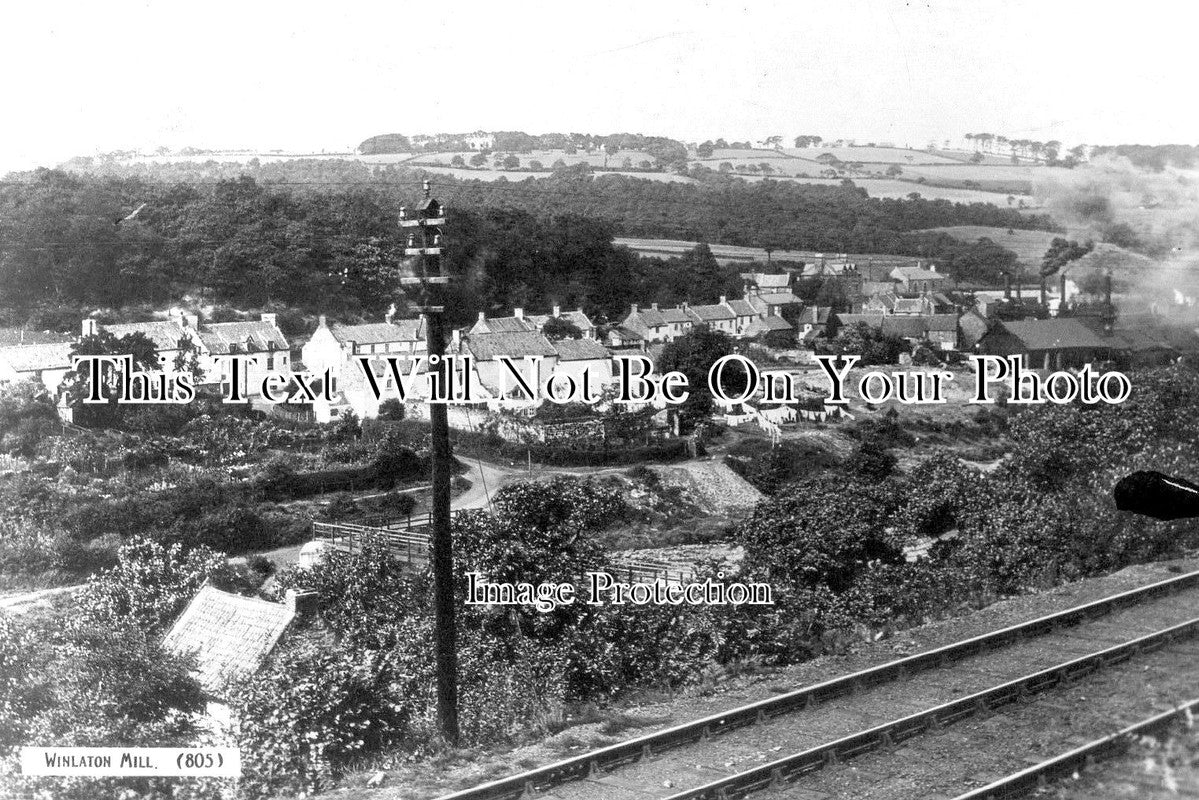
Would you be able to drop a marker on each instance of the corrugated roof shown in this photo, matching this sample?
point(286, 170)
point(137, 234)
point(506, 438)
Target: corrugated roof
point(229, 634)
point(219, 336)
point(1058, 333)
point(486, 346)
point(918, 274)
point(164, 335)
point(580, 350)
point(37, 357)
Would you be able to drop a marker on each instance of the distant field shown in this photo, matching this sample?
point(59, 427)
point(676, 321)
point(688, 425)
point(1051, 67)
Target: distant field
point(546, 157)
point(872, 155)
point(885, 188)
point(1029, 246)
point(466, 173)
point(781, 166)
point(753, 154)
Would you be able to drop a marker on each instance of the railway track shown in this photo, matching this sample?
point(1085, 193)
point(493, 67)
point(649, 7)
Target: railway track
point(808, 743)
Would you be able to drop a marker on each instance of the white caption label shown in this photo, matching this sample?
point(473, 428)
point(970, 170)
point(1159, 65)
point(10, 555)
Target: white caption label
point(97, 762)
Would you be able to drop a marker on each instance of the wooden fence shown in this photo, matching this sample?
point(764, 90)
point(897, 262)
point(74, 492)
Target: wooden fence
point(409, 542)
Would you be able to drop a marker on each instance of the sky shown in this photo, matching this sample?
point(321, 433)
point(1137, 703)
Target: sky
point(88, 77)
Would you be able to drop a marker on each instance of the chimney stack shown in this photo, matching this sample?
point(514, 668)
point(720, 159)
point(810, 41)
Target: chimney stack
point(724, 300)
point(90, 327)
point(456, 339)
point(1061, 303)
point(322, 321)
point(269, 319)
point(653, 306)
point(1007, 286)
point(482, 316)
point(302, 604)
point(519, 313)
point(557, 311)
point(1044, 293)
point(632, 308)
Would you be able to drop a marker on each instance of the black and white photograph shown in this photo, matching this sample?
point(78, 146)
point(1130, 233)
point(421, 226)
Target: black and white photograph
point(696, 400)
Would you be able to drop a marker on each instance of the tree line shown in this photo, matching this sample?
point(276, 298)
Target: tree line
point(311, 240)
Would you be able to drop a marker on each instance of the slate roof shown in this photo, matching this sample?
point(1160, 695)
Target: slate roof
point(580, 350)
point(229, 634)
point(712, 313)
point(487, 346)
point(649, 317)
point(913, 327)
point(779, 299)
point(815, 315)
point(502, 325)
point(767, 281)
point(37, 357)
point(678, 315)
point(885, 299)
point(1059, 333)
point(912, 305)
point(219, 337)
point(576, 318)
point(403, 330)
point(742, 308)
point(767, 325)
point(164, 334)
point(13, 337)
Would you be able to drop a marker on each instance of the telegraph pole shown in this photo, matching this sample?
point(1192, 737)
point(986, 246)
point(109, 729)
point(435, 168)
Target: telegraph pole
point(425, 243)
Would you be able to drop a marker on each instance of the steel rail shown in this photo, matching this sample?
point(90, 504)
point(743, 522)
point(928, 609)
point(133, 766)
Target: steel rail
point(1020, 783)
point(600, 759)
point(904, 728)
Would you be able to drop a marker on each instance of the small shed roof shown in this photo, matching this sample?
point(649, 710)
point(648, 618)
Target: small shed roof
point(229, 634)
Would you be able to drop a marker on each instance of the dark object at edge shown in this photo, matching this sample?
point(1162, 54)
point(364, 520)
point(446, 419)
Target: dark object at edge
point(1156, 495)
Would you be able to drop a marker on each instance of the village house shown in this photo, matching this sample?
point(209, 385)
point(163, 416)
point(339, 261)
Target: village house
point(918, 280)
point(940, 330)
point(579, 357)
point(621, 339)
point(268, 348)
point(718, 316)
point(513, 324)
point(488, 348)
point(17, 337)
point(47, 364)
point(745, 315)
point(773, 303)
point(772, 329)
point(170, 337)
point(333, 346)
point(880, 303)
point(576, 318)
point(650, 324)
point(812, 324)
